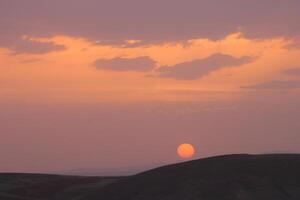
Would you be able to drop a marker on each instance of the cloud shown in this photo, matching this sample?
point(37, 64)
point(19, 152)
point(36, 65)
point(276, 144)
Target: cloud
point(197, 68)
point(103, 20)
point(121, 43)
point(138, 64)
point(34, 47)
point(276, 85)
point(295, 71)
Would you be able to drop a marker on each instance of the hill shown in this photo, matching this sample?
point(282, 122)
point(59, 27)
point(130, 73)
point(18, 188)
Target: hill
point(18, 186)
point(230, 177)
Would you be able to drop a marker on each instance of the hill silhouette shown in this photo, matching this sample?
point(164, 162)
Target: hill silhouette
point(230, 177)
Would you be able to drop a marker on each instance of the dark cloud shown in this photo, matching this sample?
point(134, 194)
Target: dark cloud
point(126, 64)
point(34, 47)
point(156, 20)
point(276, 85)
point(121, 43)
point(295, 71)
point(197, 68)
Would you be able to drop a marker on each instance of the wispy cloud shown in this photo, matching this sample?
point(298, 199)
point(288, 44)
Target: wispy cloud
point(276, 85)
point(294, 71)
point(198, 68)
point(34, 47)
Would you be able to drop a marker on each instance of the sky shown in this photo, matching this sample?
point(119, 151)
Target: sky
point(114, 86)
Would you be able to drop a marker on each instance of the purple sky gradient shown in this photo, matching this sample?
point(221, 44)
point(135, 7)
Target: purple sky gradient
point(59, 138)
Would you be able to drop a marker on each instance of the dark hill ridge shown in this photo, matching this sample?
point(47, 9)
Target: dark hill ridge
point(230, 177)
point(25, 186)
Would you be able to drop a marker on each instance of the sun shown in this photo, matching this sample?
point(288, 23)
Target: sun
point(185, 150)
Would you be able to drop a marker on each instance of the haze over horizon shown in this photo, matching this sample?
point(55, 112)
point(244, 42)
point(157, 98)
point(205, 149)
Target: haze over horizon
point(101, 84)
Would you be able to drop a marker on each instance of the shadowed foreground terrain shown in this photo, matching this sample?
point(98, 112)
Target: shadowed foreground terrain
point(231, 177)
point(42, 186)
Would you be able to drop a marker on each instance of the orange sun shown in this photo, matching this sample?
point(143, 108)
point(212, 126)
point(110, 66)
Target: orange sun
point(185, 150)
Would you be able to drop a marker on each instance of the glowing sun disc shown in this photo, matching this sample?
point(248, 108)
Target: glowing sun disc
point(185, 150)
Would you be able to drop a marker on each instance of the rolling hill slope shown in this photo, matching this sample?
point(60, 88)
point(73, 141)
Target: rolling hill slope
point(230, 177)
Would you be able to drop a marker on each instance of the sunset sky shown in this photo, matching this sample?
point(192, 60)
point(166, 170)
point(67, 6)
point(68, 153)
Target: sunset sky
point(119, 84)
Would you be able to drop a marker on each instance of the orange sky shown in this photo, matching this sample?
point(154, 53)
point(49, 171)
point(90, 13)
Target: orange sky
point(70, 74)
